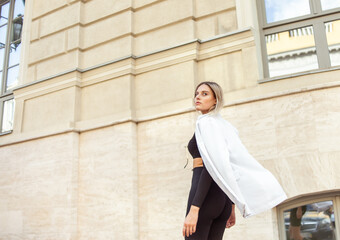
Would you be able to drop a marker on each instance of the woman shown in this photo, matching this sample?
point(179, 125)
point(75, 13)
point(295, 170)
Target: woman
point(224, 173)
point(206, 199)
point(295, 222)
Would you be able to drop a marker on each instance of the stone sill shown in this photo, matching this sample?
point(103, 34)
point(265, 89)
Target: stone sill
point(292, 75)
point(6, 133)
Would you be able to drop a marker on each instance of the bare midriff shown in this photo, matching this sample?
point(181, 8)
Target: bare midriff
point(197, 162)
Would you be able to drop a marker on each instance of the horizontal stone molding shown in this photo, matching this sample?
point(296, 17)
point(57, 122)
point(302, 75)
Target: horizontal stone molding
point(45, 25)
point(83, 126)
point(133, 66)
point(192, 50)
point(89, 125)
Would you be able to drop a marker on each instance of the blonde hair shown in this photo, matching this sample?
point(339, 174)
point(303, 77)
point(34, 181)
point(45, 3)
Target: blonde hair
point(218, 94)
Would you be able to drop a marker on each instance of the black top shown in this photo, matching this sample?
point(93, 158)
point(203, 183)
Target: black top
point(192, 147)
point(205, 178)
point(294, 220)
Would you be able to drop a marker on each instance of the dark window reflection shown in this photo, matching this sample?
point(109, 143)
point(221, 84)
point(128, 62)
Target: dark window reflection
point(310, 222)
point(16, 29)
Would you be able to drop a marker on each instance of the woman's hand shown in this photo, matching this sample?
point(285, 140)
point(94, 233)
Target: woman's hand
point(299, 213)
point(232, 219)
point(190, 221)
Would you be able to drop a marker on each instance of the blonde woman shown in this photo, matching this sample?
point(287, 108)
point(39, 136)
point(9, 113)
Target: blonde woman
point(224, 173)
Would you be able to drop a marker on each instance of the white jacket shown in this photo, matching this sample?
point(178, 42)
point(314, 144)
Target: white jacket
point(248, 184)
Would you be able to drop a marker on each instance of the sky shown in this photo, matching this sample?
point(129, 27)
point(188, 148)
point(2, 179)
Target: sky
point(277, 10)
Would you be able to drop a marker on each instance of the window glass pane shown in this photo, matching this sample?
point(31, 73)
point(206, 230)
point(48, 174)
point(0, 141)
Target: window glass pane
point(0, 81)
point(312, 221)
point(12, 77)
point(291, 51)
point(3, 34)
point(19, 8)
point(2, 58)
point(3, 31)
point(329, 4)
point(277, 10)
point(8, 115)
point(14, 55)
point(4, 13)
point(333, 40)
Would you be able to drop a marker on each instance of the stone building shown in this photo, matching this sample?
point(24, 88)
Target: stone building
point(96, 112)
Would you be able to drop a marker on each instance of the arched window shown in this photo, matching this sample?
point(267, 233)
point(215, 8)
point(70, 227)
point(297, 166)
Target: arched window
point(310, 217)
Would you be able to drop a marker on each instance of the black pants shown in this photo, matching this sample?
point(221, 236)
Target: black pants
point(214, 212)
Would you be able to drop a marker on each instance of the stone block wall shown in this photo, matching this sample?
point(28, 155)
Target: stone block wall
point(39, 188)
point(104, 113)
point(65, 35)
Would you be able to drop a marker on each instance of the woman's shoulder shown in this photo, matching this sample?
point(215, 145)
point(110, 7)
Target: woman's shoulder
point(211, 120)
point(205, 117)
point(216, 117)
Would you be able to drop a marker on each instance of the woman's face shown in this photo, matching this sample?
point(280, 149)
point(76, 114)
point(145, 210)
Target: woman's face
point(204, 98)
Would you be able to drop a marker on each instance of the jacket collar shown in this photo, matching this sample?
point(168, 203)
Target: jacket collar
point(214, 115)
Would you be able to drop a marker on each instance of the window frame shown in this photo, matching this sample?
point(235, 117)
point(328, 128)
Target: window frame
point(317, 18)
point(304, 200)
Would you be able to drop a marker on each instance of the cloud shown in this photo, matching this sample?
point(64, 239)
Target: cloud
point(280, 10)
point(329, 4)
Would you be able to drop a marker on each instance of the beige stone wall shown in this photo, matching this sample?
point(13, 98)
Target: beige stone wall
point(65, 35)
point(38, 188)
point(104, 112)
point(107, 186)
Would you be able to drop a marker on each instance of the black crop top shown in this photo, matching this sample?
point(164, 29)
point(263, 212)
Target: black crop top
point(192, 147)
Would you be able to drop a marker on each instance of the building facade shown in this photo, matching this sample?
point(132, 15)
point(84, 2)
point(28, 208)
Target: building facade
point(96, 112)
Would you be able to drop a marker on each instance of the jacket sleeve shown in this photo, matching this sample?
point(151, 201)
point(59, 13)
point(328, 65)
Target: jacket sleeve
point(216, 153)
point(247, 183)
point(214, 150)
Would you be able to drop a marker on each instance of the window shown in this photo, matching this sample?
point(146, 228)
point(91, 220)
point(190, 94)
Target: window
point(11, 22)
point(311, 218)
point(299, 35)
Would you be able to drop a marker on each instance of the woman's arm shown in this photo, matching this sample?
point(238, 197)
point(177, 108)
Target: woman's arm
point(191, 219)
point(202, 188)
